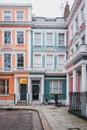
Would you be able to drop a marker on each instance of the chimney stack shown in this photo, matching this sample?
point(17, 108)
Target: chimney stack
point(66, 11)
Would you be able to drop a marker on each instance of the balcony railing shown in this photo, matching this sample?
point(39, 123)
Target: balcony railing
point(82, 50)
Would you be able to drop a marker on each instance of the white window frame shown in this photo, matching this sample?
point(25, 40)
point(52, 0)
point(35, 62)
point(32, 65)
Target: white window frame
point(16, 37)
point(3, 15)
point(34, 60)
point(34, 38)
point(58, 39)
point(16, 15)
point(46, 61)
point(58, 59)
point(5, 87)
point(76, 22)
point(59, 83)
point(46, 38)
point(18, 68)
point(3, 59)
point(82, 13)
point(3, 37)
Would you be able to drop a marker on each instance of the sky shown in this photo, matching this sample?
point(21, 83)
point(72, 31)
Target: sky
point(44, 8)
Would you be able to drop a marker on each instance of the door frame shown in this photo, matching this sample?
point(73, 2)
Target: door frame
point(25, 91)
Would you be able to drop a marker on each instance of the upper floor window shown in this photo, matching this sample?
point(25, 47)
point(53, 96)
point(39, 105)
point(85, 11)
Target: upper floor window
point(20, 61)
point(7, 62)
point(37, 60)
point(56, 87)
point(49, 39)
point(7, 37)
point(20, 37)
point(4, 86)
point(7, 15)
point(49, 61)
point(77, 46)
point(20, 15)
point(83, 39)
point(37, 38)
point(83, 13)
point(72, 31)
point(60, 62)
point(61, 39)
point(76, 23)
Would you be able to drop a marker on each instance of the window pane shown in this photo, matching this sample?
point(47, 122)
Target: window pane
point(37, 38)
point(7, 37)
point(49, 61)
point(20, 37)
point(49, 39)
point(60, 62)
point(2, 86)
point(7, 15)
point(7, 61)
point(56, 87)
point(61, 39)
point(20, 60)
point(37, 60)
point(20, 15)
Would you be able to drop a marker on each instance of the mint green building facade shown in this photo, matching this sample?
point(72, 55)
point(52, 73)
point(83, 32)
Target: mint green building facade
point(48, 53)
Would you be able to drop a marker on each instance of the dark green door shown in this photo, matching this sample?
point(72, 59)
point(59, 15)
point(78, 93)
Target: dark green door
point(35, 92)
point(23, 92)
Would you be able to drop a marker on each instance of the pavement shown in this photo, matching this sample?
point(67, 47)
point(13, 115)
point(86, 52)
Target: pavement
point(54, 118)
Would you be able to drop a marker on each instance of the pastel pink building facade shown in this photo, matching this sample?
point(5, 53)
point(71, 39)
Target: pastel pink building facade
point(15, 37)
point(76, 63)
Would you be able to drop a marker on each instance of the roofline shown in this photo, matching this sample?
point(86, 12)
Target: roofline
point(15, 5)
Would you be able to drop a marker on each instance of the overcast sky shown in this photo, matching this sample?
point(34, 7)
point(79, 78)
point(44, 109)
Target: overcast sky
point(44, 8)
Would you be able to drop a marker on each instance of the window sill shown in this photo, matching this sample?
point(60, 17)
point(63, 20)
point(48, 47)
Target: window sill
point(1, 95)
point(20, 44)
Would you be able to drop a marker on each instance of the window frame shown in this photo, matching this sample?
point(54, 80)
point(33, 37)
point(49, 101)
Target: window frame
point(4, 37)
point(46, 62)
point(58, 61)
point(59, 86)
point(6, 87)
point(17, 17)
point(7, 69)
point(59, 39)
point(18, 68)
point(23, 37)
point(34, 38)
point(3, 16)
point(49, 32)
point(34, 60)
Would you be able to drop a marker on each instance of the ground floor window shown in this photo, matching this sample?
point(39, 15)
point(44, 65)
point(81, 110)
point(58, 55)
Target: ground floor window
point(56, 87)
point(4, 86)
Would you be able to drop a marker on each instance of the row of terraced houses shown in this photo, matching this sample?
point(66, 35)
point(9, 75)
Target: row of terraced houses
point(42, 57)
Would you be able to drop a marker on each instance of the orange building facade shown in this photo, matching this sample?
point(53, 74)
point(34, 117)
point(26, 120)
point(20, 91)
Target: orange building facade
point(15, 37)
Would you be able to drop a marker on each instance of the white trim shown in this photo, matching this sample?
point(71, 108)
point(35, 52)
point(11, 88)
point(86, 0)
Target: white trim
point(16, 37)
point(3, 59)
point(46, 61)
point(58, 39)
point(36, 76)
point(37, 59)
point(16, 15)
point(16, 59)
point(34, 38)
point(46, 37)
point(55, 78)
point(3, 14)
point(7, 30)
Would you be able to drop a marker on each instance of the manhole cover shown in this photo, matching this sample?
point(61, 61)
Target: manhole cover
point(74, 129)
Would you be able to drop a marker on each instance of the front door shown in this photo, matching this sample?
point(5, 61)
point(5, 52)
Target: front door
point(35, 92)
point(23, 92)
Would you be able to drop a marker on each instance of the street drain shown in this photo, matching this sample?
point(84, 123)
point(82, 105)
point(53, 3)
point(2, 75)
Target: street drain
point(74, 129)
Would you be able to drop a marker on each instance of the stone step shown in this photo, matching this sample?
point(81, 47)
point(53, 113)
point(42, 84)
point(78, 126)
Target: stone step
point(22, 103)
